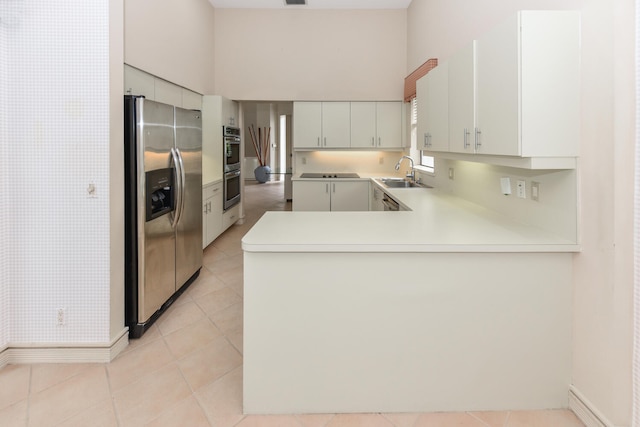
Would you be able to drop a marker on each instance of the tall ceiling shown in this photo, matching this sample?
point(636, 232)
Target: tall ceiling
point(311, 4)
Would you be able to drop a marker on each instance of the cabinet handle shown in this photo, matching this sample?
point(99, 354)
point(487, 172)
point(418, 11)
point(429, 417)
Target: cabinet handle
point(466, 138)
point(478, 141)
point(318, 141)
point(326, 188)
point(427, 139)
point(379, 141)
point(334, 188)
point(209, 206)
point(373, 141)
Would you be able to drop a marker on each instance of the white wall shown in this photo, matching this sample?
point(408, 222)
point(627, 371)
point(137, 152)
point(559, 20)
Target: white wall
point(310, 54)
point(603, 271)
point(116, 166)
point(5, 225)
point(173, 40)
point(55, 242)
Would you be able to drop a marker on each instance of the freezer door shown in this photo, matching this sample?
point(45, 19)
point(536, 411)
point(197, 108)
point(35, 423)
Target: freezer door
point(156, 247)
point(189, 228)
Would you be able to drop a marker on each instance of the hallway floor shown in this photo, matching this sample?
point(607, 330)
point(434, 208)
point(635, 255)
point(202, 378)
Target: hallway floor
point(187, 369)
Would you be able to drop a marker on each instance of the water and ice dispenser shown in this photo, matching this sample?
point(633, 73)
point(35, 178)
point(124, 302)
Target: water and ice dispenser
point(159, 193)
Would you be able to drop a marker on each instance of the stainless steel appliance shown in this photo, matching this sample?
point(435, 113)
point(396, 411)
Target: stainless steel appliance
point(329, 175)
point(389, 203)
point(231, 154)
point(231, 166)
point(163, 200)
point(231, 189)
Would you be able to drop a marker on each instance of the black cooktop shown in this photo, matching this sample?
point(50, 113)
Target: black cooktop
point(329, 175)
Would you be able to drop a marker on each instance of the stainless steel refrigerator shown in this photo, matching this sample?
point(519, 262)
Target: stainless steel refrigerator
point(163, 201)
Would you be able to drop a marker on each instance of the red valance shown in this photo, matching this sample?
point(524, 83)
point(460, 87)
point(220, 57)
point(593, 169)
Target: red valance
point(410, 80)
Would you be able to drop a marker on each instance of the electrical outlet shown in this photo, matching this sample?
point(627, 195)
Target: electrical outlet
point(61, 317)
point(304, 160)
point(521, 189)
point(535, 191)
point(91, 190)
point(451, 173)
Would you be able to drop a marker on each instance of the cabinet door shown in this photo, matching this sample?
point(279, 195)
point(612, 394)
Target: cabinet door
point(375, 199)
point(497, 100)
point(205, 211)
point(212, 213)
point(388, 125)
point(433, 110)
point(336, 124)
point(349, 195)
point(307, 124)
point(311, 196)
point(363, 125)
point(462, 100)
point(138, 82)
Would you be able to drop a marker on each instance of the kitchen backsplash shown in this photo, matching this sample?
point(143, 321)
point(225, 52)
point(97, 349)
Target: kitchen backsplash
point(374, 162)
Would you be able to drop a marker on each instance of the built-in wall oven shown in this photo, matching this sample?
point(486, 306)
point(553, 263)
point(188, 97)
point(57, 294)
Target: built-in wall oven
point(231, 165)
point(231, 153)
point(231, 188)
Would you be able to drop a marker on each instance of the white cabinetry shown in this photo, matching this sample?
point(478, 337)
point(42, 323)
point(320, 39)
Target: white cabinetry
point(376, 124)
point(462, 114)
point(230, 217)
point(331, 195)
point(527, 88)
point(217, 111)
point(212, 213)
point(321, 125)
point(528, 94)
point(433, 110)
point(375, 199)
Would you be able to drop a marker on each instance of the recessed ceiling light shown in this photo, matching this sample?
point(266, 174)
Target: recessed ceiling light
point(295, 2)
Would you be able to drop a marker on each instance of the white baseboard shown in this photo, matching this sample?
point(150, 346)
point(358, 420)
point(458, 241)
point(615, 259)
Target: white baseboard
point(585, 410)
point(64, 353)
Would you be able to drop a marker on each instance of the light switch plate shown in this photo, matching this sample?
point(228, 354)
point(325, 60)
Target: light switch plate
point(505, 185)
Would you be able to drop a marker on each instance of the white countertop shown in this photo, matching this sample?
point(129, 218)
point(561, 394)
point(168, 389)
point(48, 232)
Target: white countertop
point(437, 222)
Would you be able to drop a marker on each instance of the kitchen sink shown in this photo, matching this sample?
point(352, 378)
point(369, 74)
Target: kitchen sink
point(399, 183)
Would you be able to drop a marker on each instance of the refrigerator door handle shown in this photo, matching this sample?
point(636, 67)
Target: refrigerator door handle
point(177, 164)
point(183, 179)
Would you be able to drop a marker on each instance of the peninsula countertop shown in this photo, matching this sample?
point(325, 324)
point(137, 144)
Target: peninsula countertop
point(437, 222)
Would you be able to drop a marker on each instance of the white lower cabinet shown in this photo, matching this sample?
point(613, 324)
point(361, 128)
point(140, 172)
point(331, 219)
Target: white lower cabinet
point(375, 199)
point(331, 195)
point(212, 213)
point(230, 217)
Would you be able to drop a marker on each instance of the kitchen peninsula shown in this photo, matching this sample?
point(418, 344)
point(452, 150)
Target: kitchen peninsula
point(446, 307)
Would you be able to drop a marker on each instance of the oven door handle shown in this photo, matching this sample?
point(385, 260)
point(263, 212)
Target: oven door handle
point(232, 174)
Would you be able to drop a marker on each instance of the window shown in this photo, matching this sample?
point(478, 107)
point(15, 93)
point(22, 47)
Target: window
point(426, 161)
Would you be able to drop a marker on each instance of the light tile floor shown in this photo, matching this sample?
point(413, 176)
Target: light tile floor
point(187, 369)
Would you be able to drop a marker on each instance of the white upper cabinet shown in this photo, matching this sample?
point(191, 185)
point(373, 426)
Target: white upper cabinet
point(307, 124)
point(336, 125)
point(462, 115)
point(388, 124)
point(363, 125)
point(433, 110)
point(528, 86)
point(376, 125)
point(321, 125)
point(353, 125)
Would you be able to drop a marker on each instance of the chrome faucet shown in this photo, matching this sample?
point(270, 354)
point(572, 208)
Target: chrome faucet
point(412, 174)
